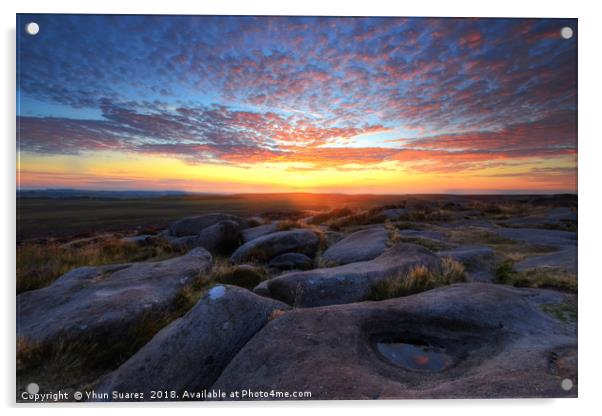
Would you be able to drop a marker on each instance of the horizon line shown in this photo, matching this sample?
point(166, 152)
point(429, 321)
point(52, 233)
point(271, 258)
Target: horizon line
point(456, 193)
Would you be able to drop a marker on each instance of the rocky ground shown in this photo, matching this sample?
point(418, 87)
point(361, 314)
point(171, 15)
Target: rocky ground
point(455, 298)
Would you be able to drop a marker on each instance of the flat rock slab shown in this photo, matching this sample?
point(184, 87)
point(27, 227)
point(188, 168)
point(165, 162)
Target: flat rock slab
point(431, 235)
point(359, 246)
point(556, 216)
point(191, 352)
point(103, 303)
point(188, 242)
point(565, 259)
point(194, 225)
point(474, 258)
point(469, 223)
point(267, 247)
point(489, 341)
point(394, 213)
point(256, 232)
point(539, 237)
point(349, 283)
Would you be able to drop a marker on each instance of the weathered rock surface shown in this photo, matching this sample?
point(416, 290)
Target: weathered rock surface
point(255, 232)
point(271, 245)
point(194, 225)
point(191, 352)
point(555, 217)
point(188, 242)
point(539, 236)
point(349, 283)
point(490, 341)
point(291, 261)
point(469, 223)
point(431, 235)
point(394, 213)
point(103, 303)
point(359, 246)
point(565, 259)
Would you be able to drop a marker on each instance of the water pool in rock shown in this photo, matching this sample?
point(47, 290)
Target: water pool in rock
point(415, 356)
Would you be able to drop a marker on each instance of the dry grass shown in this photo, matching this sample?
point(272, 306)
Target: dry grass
point(38, 265)
point(362, 218)
point(565, 311)
point(75, 362)
point(543, 277)
point(503, 208)
point(419, 279)
point(330, 215)
point(72, 363)
point(290, 225)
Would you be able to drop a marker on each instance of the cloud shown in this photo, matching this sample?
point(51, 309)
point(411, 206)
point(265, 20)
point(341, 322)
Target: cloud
point(440, 74)
point(302, 90)
point(224, 135)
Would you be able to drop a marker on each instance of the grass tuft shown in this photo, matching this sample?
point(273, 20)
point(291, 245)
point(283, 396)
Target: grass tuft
point(543, 277)
point(419, 279)
point(330, 215)
point(564, 312)
point(38, 265)
point(244, 276)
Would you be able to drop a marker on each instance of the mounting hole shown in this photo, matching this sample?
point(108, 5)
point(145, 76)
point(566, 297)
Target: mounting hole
point(566, 384)
point(32, 28)
point(33, 388)
point(566, 32)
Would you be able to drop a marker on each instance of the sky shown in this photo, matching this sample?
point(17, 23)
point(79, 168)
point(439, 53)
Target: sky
point(235, 104)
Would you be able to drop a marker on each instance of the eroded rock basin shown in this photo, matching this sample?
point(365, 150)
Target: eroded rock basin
point(461, 341)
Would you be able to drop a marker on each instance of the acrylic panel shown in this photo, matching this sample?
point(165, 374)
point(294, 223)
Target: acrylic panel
point(295, 208)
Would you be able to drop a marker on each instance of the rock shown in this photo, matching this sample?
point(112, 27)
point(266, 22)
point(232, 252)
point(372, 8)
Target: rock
point(483, 276)
point(349, 283)
point(485, 341)
point(431, 235)
point(194, 225)
point(472, 257)
point(183, 243)
point(565, 259)
point(554, 218)
point(359, 246)
point(539, 236)
point(469, 223)
point(271, 245)
point(140, 240)
point(562, 214)
point(394, 213)
point(262, 289)
point(103, 303)
point(191, 352)
point(291, 261)
point(255, 232)
point(222, 237)
point(244, 275)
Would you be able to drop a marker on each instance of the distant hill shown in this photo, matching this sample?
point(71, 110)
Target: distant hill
point(91, 194)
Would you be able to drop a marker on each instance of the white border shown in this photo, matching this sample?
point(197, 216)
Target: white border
point(590, 201)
